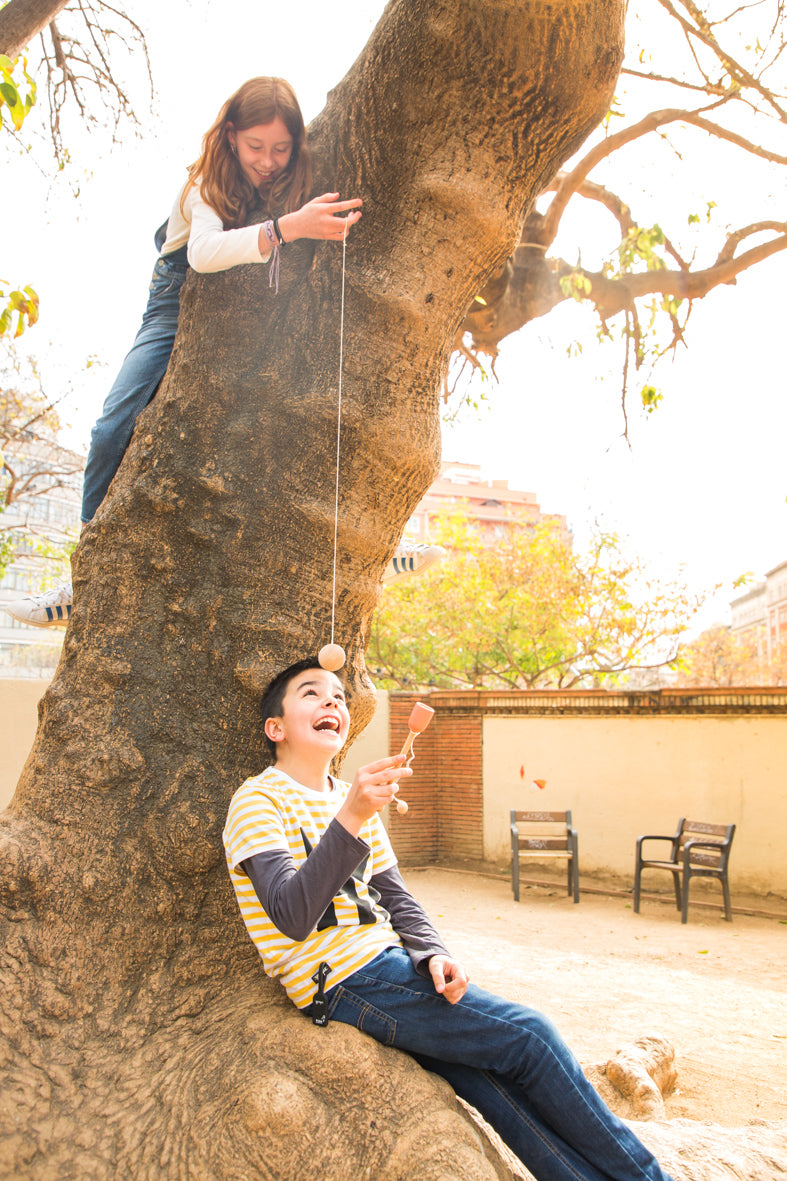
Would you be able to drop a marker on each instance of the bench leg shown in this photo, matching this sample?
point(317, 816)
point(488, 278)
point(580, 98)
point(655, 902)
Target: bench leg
point(637, 882)
point(684, 909)
point(725, 885)
point(676, 883)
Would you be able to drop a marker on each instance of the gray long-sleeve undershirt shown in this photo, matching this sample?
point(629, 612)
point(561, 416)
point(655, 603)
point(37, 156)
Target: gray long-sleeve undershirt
point(296, 899)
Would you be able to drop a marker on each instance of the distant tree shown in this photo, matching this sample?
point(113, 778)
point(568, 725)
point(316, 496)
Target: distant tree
point(718, 657)
point(524, 611)
point(33, 464)
point(721, 657)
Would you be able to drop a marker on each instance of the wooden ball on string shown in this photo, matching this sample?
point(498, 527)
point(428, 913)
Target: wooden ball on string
point(332, 657)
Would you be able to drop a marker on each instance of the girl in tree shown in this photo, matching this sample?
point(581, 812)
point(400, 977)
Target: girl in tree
point(254, 159)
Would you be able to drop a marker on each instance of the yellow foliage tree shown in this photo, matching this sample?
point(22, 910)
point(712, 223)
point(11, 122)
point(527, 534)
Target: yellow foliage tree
point(525, 611)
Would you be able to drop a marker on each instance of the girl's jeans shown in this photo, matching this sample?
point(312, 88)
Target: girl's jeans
point(507, 1061)
point(137, 381)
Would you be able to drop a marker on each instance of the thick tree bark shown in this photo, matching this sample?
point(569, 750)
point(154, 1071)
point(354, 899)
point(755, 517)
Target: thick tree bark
point(140, 1037)
point(22, 20)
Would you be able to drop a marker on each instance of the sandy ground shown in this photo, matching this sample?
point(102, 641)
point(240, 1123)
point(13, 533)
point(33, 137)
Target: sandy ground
point(716, 990)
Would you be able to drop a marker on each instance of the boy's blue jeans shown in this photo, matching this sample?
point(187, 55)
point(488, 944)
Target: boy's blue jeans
point(137, 382)
point(507, 1061)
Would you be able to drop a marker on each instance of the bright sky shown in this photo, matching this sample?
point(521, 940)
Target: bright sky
point(701, 485)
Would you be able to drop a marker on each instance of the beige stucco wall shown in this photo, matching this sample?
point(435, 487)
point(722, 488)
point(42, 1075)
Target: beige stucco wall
point(624, 776)
point(18, 721)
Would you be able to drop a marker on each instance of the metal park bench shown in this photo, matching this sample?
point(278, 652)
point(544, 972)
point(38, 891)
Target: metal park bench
point(544, 835)
point(697, 850)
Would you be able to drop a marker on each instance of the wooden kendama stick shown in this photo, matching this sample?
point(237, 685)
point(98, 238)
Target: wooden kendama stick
point(420, 717)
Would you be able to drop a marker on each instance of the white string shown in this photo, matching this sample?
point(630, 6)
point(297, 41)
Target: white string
point(338, 438)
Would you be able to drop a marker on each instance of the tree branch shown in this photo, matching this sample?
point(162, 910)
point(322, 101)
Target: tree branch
point(702, 31)
point(603, 196)
point(613, 143)
point(22, 20)
point(702, 87)
point(611, 296)
point(731, 137)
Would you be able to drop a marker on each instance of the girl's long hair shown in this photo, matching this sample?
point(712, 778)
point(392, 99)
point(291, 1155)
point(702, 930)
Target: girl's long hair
point(217, 172)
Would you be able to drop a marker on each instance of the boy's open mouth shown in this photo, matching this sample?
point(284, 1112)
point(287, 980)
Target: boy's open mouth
point(328, 724)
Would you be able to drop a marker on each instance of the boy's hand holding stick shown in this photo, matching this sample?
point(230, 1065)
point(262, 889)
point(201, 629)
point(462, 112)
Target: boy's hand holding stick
point(374, 784)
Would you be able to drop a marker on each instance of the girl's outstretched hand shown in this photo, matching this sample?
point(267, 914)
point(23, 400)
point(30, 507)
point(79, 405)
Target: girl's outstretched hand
point(321, 218)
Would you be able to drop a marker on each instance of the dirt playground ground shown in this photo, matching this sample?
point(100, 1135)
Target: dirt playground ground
point(716, 990)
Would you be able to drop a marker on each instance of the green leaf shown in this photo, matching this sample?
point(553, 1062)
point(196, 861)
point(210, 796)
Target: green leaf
point(10, 94)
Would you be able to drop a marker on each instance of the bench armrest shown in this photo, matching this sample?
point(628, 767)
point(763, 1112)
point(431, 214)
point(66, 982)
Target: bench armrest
point(654, 836)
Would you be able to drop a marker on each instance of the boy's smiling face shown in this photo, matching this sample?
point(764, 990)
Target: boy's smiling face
point(314, 714)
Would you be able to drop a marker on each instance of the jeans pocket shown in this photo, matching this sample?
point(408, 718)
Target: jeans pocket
point(353, 1010)
point(167, 278)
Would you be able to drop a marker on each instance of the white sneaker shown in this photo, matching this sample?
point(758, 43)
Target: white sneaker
point(50, 609)
point(411, 557)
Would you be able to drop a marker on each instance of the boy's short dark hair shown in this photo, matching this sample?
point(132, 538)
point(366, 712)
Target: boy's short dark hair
point(272, 700)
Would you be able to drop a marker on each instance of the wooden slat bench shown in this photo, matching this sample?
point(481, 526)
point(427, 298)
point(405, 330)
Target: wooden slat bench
point(697, 849)
point(544, 835)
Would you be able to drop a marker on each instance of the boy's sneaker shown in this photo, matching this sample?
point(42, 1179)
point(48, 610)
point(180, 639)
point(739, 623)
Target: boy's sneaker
point(50, 609)
point(411, 558)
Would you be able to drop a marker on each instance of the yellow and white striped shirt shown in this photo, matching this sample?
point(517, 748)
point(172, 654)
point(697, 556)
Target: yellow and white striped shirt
point(272, 812)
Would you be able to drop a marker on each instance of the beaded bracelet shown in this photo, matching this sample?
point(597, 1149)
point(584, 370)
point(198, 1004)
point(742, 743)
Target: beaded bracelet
point(273, 269)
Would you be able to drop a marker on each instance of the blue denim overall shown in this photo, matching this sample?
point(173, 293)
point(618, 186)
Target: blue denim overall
point(139, 376)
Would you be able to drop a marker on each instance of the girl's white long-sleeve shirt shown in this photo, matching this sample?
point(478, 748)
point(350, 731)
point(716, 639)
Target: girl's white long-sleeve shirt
point(210, 246)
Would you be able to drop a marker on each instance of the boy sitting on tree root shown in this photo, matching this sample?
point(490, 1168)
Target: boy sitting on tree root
point(323, 900)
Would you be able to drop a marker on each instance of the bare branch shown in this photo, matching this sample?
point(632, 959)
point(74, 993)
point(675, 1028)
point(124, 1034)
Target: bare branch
point(616, 206)
point(603, 196)
point(701, 30)
point(79, 65)
point(733, 240)
point(703, 87)
point(613, 143)
point(731, 137)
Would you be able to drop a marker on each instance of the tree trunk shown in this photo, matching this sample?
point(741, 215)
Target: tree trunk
point(140, 1036)
point(22, 20)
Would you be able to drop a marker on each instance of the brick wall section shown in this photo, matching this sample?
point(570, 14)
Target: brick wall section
point(415, 835)
point(460, 828)
point(445, 793)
